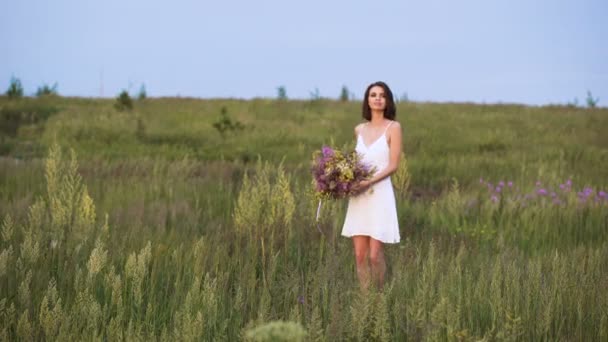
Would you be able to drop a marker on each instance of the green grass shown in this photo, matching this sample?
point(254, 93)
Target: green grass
point(154, 233)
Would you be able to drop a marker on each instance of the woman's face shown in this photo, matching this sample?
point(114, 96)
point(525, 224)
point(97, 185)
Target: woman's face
point(377, 98)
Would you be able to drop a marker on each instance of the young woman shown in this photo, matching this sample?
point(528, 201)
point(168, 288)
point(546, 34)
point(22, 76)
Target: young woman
point(371, 217)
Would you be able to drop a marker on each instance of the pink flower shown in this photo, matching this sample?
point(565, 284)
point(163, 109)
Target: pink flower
point(327, 151)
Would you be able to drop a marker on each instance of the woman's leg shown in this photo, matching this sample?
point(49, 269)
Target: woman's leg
point(378, 265)
point(361, 244)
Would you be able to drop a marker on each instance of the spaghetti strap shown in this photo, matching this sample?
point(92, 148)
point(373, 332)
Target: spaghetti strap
point(389, 125)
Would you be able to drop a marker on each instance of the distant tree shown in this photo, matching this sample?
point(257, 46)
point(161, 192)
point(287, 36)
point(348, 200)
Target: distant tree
point(281, 93)
point(123, 101)
point(45, 90)
point(344, 94)
point(15, 89)
point(591, 101)
point(142, 93)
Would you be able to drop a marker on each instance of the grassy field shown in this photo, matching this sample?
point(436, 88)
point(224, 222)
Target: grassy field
point(151, 224)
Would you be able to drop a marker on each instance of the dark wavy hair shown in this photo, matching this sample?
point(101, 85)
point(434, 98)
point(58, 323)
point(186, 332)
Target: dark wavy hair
point(389, 111)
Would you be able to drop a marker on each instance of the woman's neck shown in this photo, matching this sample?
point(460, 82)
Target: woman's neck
point(377, 118)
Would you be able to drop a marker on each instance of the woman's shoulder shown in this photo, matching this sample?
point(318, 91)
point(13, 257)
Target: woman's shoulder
point(359, 127)
point(394, 128)
point(395, 125)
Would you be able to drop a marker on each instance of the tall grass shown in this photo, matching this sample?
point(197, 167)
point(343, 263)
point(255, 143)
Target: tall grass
point(173, 243)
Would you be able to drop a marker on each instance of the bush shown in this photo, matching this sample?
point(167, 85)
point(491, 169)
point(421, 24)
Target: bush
point(225, 124)
point(13, 117)
point(45, 90)
point(344, 94)
point(591, 101)
point(142, 93)
point(123, 101)
point(15, 89)
point(281, 93)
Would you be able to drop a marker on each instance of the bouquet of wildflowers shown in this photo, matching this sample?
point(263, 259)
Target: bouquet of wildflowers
point(335, 173)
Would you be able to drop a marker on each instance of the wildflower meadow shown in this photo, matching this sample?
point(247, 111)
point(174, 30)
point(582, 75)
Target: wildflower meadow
point(155, 224)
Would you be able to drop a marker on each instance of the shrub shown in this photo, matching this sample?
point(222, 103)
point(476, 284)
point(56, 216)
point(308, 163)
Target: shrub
point(15, 89)
point(123, 101)
point(225, 124)
point(591, 101)
point(29, 113)
point(344, 94)
point(142, 93)
point(281, 93)
point(45, 90)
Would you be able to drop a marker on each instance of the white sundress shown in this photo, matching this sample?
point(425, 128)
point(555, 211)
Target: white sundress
point(374, 213)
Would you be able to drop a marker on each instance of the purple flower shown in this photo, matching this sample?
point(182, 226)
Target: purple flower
point(301, 299)
point(541, 192)
point(327, 151)
point(498, 189)
point(510, 184)
point(562, 186)
point(501, 184)
point(601, 194)
point(569, 182)
point(480, 180)
point(494, 198)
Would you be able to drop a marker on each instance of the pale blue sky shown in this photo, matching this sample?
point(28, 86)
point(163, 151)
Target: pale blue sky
point(522, 51)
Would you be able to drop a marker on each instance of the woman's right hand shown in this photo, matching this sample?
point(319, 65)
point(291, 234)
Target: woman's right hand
point(361, 187)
